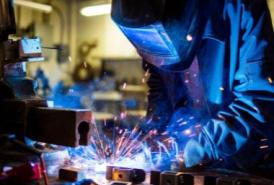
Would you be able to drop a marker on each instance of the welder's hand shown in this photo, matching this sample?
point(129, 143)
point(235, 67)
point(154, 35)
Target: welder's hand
point(184, 124)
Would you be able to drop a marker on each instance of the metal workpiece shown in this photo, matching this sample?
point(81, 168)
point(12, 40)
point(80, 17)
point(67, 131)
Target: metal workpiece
point(71, 174)
point(174, 178)
point(232, 181)
point(122, 174)
point(155, 177)
point(205, 180)
point(120, 183)
point(64, 127)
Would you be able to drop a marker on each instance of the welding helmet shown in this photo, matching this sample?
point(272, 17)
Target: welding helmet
point(164, 32)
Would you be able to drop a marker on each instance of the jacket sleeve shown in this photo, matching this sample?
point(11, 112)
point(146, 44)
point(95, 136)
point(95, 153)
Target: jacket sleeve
point(247, 123)
point(159, 109)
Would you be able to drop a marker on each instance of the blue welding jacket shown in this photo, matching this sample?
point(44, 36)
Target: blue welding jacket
point(234, 124)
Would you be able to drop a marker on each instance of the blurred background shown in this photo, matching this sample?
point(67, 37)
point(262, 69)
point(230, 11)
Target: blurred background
point(89, 63)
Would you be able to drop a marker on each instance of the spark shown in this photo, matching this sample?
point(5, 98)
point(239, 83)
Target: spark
point(123, 115)
point(187, 132)
point(198, 126)
point(127, 147)
point(222, 89)
point(191, 117)
point(147, 73)
point(264, 146)
point(180, 120)
point(189, 38)
point(183, 123)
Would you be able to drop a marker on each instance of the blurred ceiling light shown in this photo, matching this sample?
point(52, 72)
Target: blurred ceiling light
point(96, 10)
point(37, 6)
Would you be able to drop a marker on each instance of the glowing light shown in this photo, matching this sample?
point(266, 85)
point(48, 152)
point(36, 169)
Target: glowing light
point(69, 59)
point(123, 115)
point(97, 10)
point(270, 80)
point(143, 80)
point(264, 146)
point(198, 126)
point(183, 123)
point(180, 120)
point(130, 149)
point(191, 117)
point(33, 5)
point(186, 81)
point(147, 73)
point(187, 132)
point(124, 85)
point(222, 89)
point(189, 38)
point(256, 109)
point(85, 65)
point(50, 103)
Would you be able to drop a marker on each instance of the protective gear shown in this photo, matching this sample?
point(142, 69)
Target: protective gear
point(236, 73)
point(165, 33)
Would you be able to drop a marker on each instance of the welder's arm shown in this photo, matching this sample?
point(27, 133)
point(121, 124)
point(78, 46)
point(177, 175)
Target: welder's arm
point(248, 121)
point(159, 109)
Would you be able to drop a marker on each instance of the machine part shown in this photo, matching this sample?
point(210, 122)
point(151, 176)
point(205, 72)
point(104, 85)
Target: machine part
point(13, 52)
point(232, 181)
point(205, 180)
point(70, 174)
point(155, 177)
point(173, 178)
point(7, 19)
point(14, 115)
point(26, 172)
point(120, 183)
point(6, 91)
point(62, 53)
point(59, 126)
point(125, 174)
point(23, 50)
point(86, 182)
point(38, 167)
point(22, 88)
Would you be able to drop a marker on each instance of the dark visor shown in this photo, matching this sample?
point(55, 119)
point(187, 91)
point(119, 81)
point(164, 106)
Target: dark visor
point(137, 13)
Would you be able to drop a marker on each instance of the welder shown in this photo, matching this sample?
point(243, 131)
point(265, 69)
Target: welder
point(211, 76)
